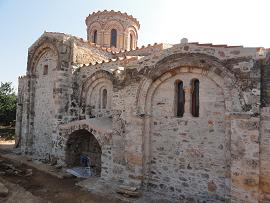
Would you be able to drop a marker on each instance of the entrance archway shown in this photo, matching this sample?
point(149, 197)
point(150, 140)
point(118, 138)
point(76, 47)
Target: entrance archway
point(82, 142)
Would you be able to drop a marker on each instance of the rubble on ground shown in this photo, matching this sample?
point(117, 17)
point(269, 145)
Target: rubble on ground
point(10, 169)
point(128, 191)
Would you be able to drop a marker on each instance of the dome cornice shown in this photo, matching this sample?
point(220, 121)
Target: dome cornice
point(112, 13)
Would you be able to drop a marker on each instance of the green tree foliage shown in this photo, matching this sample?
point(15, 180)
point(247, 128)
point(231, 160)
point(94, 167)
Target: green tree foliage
point(8, 100)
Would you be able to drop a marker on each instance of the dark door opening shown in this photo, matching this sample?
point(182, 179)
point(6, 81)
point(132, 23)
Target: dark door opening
point(82, 143)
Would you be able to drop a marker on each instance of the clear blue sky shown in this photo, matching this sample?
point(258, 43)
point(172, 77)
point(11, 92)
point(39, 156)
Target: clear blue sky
point(234, 22)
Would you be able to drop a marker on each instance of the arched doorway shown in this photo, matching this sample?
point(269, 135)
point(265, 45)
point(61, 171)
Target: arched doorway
point(82, 142)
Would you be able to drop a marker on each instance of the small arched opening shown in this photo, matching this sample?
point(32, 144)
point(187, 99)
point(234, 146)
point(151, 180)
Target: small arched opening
point(83, 144)
point(179, 98)
point(113, 38)
point(94, 40)
point(130, 41)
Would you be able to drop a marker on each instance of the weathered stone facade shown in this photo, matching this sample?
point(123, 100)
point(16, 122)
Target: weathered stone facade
point(119, 107)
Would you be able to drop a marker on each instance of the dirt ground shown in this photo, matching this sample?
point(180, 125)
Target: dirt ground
point(29, 185)
point(17, 194)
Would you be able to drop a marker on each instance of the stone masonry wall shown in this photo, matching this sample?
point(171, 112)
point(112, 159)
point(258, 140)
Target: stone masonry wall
point(188, 155)
point(220, 156)
point(126, 145)
point(265, 133)
point(264, 155)
point(241, 87)
point(242, 97)
point(22, 113)
point(44, 105)
point(127, 137)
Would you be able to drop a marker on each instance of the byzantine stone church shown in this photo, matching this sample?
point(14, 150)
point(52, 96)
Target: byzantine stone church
point(189, 121)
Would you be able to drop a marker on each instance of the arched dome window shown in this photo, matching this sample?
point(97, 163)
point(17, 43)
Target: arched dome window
point(94, 37)
point(113, 37)
point(130, 41)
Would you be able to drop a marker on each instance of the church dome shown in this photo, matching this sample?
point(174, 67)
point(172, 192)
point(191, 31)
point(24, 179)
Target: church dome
point(113, 29)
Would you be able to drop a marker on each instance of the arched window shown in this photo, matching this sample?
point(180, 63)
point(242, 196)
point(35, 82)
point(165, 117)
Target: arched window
point(130, 41)
point(195, 98)
point(180, 99)
point(113, 38)
point(104, 98)
point(95, 36)
point(45, 70)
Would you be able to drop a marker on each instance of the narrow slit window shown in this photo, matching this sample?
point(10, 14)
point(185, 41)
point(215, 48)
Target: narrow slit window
point(130, 42)
point(180, 99)
point(95, 37)
point(113, 38)
point(45, 70)
point(104, 98)
point(195, 98)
